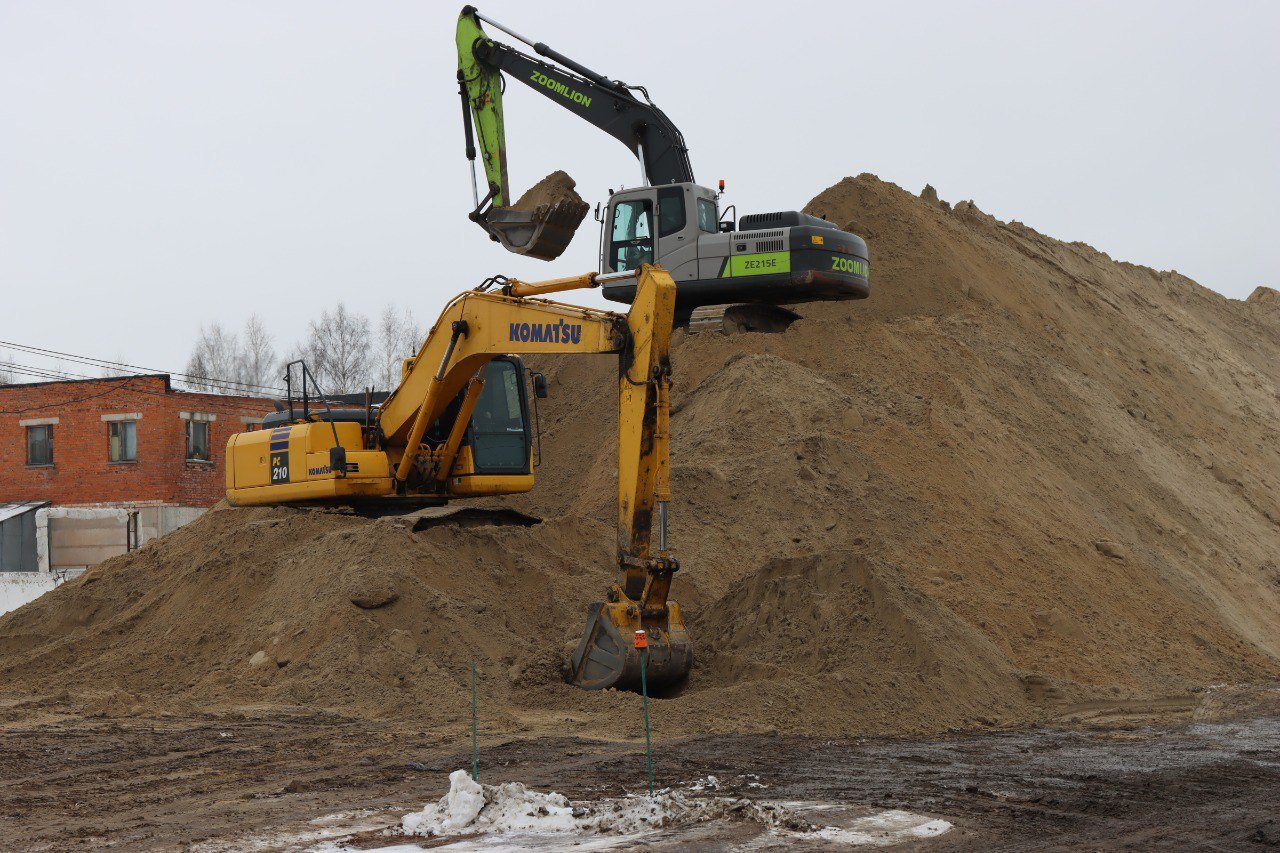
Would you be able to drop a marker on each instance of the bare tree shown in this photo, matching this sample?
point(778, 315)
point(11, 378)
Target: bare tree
point(257, 361)
point(398, 339)
point(338, 351)
point(215, 359)
point(110, 370)
point(6, 373)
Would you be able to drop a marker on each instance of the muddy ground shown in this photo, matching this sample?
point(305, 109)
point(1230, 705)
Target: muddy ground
point(260, 782)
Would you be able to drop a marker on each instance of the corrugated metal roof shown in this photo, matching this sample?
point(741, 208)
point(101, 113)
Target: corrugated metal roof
point(11, 509)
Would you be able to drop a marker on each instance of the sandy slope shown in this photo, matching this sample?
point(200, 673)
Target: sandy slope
point(1023, 481)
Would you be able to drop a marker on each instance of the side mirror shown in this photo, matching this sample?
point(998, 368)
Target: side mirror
point(539, 386)
point(727, 227)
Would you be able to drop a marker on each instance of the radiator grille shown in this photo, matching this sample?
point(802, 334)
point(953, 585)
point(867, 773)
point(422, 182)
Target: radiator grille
point(769, 245)
point(758, 235)
point(764, 219)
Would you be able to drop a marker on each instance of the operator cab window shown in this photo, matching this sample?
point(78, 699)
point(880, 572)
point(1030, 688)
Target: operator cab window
point(631, 236)
point(499, 443)
point(670, 211)
point(707, 218)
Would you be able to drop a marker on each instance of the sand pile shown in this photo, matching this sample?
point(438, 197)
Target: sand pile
point(554, 188)
point(1023, 481)
point(1265, 296)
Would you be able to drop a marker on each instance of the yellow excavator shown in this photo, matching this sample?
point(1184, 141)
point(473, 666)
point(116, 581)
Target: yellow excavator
point(458, 426)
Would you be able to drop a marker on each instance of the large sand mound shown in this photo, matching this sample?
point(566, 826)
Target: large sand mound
point(1023, 481)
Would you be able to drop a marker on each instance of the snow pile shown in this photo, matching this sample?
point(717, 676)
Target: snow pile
point(472, 807)
point(509, 807)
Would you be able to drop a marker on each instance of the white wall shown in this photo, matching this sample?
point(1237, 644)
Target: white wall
point(83, 536)
point(17, 588)
point(68, 539)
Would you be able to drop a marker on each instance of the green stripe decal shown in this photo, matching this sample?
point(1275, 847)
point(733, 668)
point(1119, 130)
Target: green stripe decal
point(758, 263)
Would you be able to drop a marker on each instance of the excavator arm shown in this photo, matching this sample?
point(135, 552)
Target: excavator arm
point(394, 459)
point(608, 104)
point(475, 328)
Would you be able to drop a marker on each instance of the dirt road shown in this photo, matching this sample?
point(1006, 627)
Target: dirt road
point(260, 781)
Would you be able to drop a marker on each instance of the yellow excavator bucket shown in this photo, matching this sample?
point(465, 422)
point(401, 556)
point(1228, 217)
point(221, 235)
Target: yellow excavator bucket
point(638, 628)
point(608, 655)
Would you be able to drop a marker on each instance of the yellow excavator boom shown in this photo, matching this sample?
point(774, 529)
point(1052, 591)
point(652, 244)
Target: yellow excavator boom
point(456, 426)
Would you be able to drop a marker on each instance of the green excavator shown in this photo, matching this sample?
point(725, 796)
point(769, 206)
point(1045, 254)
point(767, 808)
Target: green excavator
point(669, 219)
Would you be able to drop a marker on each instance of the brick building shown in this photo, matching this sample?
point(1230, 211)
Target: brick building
point(123, 440)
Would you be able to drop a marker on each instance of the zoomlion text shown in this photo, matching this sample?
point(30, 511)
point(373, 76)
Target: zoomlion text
point(560, 88)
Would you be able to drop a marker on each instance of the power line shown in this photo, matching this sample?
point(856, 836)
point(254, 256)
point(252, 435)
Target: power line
point(126, 385)
point(99, 362)
point(87, 397)
point(226, 385)
point(45, 373)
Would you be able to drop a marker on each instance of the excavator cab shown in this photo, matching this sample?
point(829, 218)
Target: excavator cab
point(496, 453)
point(772, 259)
point(289, 458)
point(658, 225)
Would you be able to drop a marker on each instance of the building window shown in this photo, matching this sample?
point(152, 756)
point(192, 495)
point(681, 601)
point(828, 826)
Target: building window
point(40, 445)
point(198, 441)
point(123, 440)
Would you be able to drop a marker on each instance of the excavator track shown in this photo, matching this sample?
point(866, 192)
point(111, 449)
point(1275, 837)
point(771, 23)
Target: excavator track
point(735, 319)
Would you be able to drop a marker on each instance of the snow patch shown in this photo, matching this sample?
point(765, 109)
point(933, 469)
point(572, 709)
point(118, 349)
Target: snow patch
point(509, 809)
point(707, 783)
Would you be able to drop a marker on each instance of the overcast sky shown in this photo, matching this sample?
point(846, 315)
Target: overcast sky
point(164, 164)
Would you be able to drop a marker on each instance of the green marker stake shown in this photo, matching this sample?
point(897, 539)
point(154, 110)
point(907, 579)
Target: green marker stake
point(475, 755)
point(642, 643)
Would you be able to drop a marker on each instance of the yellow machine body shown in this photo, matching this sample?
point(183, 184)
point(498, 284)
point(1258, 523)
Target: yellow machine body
point(458, 426)
point(298, 470)
point(291, 463)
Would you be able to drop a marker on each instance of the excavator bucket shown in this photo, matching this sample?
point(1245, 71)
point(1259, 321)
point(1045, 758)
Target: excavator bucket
point(542, 233)
point(607, 655)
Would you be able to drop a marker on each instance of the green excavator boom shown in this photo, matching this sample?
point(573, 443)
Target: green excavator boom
point(482, 88)
point(541, 232)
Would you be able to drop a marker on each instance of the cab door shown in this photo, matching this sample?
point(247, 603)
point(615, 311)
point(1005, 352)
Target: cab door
point(677, 232)
point(499, 432)
point(629, 235)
